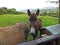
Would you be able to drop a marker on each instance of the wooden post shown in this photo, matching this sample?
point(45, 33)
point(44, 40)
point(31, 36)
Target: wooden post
point(59, 12)
point(58, 41)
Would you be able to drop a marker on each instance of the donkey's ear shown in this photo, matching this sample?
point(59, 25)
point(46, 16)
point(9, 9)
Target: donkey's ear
point(37, 12)
point(28, 11)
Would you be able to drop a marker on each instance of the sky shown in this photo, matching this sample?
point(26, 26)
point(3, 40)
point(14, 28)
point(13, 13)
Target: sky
point(26, 4)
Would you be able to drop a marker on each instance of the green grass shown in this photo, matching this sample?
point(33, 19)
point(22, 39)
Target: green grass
point(11, 19)
point(48, 21)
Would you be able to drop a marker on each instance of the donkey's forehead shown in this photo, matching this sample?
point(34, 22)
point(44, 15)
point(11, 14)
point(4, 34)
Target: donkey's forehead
point(33, 14)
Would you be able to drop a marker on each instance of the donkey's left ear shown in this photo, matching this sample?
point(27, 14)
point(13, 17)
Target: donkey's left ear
point(28, 12)
point(37, 12)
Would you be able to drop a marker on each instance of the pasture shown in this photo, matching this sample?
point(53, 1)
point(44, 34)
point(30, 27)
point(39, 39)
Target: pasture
point(11, 19)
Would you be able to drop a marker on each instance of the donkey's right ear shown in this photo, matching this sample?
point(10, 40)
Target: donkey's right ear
point(28, 12)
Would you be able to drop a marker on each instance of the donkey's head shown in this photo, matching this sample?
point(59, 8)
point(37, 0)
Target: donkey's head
point(33, 20)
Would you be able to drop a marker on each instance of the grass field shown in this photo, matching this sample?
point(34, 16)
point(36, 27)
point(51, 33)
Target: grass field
point(11, 19)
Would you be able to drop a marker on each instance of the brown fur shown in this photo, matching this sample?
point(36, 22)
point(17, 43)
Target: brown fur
point(38, 23)
point(35, 23)
point(12, 35)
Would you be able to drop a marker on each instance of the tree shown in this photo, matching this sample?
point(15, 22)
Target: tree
point(54, 1)
point(3, 10)
point(12, 10)
point(57, 2)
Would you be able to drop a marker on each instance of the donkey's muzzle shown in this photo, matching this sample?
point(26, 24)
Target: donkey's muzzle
point(32, 32)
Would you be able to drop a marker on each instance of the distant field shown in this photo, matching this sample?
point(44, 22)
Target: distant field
point(11, 19)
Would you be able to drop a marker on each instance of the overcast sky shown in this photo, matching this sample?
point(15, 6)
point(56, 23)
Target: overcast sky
point(26, 4)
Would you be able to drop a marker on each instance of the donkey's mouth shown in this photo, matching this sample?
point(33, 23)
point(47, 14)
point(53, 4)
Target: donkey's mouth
point(32, 31)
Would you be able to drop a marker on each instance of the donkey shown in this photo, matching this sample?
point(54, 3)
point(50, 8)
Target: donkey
point(13, 35)
point(35, 23)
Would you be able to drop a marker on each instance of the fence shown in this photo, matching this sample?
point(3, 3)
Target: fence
point(52, 38)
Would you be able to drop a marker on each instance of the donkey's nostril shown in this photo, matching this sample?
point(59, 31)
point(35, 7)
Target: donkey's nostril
point(32, 34)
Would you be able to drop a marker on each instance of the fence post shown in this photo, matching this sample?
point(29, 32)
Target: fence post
point(58, 41)
point(59, 12)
